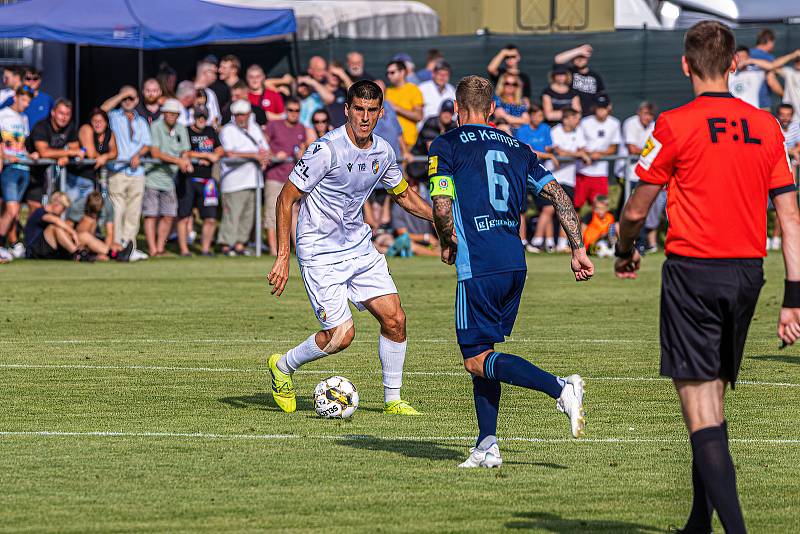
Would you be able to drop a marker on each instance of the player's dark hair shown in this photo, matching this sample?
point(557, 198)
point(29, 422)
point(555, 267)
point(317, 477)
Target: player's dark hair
point(474, 94)
point(765, 36)
point(366, 89)
point(709, 47)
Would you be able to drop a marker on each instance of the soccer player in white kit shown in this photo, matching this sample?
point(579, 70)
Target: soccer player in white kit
point(334, 247)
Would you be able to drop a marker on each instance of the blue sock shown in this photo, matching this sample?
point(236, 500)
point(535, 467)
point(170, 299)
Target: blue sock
point(520, 372)
point(487, 403)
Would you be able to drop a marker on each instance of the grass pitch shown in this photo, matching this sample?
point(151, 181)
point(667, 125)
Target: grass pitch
point(135, 398)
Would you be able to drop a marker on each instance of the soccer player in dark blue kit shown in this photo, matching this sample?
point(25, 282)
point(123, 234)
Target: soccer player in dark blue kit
point(479, 181)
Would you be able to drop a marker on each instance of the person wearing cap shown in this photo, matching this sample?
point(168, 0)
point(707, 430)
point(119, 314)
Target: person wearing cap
point(406, 99)
point(411, 76)
point(436, 90)
point(559, 95)
point(126, 184)
point(507, 60)
point(585, 81)
point(603, 135)
point(241, 139)
point(160, 202)
point(198, 189)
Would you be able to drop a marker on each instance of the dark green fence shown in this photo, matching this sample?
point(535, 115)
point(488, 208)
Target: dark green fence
point(635, 64)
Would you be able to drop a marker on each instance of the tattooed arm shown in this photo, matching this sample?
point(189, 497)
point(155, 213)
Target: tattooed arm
point(581, 265)
point(443, 222)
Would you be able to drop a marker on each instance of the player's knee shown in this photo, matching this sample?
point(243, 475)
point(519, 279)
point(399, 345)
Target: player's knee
point(395, 324)
point(339, 338)
point(347, 337)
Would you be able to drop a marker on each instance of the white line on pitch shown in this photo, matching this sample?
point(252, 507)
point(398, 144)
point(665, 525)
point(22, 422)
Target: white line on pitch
point(329, 371)
point(259, 341)
point(361, 437)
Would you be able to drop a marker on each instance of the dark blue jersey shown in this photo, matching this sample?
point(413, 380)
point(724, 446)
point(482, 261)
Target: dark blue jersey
point(486, 173)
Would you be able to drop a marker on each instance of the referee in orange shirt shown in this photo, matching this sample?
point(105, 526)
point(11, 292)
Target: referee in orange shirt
point(720, 159)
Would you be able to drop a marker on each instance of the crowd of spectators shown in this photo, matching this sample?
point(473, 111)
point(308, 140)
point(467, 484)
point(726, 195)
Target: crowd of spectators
point(191, 154)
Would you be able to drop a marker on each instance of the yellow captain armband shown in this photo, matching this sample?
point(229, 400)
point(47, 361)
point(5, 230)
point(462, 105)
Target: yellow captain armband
point(399, 188)
point(443, 186)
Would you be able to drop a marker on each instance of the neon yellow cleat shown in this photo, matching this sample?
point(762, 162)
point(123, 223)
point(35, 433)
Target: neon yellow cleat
point(399, 407)
point(282, 387)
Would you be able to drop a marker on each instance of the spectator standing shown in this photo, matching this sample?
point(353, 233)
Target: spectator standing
point(170, 144)
point(337, 82)
point(436, 90)
point(12, 80)
point(432, 128)
point(559, 94)
point(14, 176)
point(57, 138)
point(377, 210)
point(168, 79)
point(411, 76)
point(320, 124)
point(790, 127)
point(508, 101)
point(568, 142)
point(150, 105)
point(240, 91)
point(791, 83)
point(261, 96)
point(185, 94)
point(585, 81)
point(240, 139)
point(603, 135)
point(313, 96)
point(746, 82)
point(42, 103)
point(287, 141)
point(433, 57)
point(317, 68)
point(406, 99)
point(227, 77)
point(205, 76)
point(355, 67)
point(765, 46)
point(126, 184)
point(536, 134)
point(507, 60)
point(198, 189)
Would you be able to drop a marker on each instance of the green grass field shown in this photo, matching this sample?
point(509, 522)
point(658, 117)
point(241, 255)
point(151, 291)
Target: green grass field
point(135, 398)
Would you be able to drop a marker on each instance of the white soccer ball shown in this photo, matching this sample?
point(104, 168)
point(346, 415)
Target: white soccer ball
point(335, 397)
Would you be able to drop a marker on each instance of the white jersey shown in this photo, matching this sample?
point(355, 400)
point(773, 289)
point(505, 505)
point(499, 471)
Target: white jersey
point(599, 137)
point(746, 84)
point(636, 134)
point(571, 142)
point(338, 177)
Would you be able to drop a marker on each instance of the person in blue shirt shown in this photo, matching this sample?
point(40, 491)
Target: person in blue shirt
point(765, 46)
point(42, 103)
point(509, 102)
point(479, 180)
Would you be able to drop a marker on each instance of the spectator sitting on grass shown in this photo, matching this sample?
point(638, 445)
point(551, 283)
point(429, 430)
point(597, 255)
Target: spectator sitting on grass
point(89, 228)
point(598, 229)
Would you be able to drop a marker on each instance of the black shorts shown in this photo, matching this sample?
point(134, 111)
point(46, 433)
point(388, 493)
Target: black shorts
point(541, 202)
point(35, 190)
point(706, 309)
point(202, 195)
point(40, 249)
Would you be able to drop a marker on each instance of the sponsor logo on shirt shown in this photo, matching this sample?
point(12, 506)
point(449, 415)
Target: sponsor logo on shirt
point(433, 165)
point(649, 153)
point(483, 223)
point(362, 167)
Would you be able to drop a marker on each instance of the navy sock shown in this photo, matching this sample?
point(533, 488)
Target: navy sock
point(2, 240)
point(487, 403)
point(520, 372)
point(713, 461)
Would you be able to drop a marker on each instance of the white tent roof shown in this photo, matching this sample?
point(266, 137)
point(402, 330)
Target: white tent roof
point(633, 14)
point(364, 19)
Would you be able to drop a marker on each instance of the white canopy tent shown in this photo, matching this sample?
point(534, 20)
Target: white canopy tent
point(634, 14)
point(355, 19)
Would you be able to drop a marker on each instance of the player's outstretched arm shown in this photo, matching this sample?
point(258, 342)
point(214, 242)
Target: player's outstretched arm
point(789, 217)
point(630, 224)
point(279, 274)
point(443, 222)
point(581, 264)
point(409, 200)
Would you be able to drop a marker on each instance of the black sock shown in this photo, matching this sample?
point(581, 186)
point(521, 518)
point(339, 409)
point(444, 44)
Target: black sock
point(487, 403)
point(700, 517)
point(2, 241)
point(712, 458)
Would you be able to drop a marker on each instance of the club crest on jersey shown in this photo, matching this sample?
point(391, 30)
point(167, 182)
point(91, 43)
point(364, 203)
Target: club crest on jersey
point(321, 315)
point(375, 166)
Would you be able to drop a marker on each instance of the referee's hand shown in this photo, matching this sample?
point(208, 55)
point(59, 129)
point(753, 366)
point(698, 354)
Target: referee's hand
point(581, 265)
point(789, 325)
point(627, 267)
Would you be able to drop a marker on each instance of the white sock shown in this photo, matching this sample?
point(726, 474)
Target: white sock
point(562, 242)
point(550, 242)
point(538, 241)
point(305, 352)
point(392, 355)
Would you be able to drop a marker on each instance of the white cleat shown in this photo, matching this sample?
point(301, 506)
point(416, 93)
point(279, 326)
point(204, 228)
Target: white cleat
point(488, 458)
point(571, 403)
point(18, 250)
point(5, 255)
point(137, 255)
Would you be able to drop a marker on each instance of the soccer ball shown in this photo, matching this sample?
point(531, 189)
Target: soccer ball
point(335, 397)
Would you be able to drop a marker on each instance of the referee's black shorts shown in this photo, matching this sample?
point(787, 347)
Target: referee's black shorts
point(706, 309)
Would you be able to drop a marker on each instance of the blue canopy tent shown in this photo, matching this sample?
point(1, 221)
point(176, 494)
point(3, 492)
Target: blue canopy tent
point(140, 24)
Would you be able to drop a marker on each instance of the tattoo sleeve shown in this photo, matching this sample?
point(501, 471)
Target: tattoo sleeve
point(443, 219)
point(566, 213)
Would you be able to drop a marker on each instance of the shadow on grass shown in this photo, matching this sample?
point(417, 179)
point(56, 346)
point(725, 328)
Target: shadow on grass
point(557, 524)
point(548, 465)
point(409, 448)
point(784, 358)
point(264, 401)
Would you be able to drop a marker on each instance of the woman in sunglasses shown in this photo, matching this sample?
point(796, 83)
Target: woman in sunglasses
point(321, 124)
point(509, 103)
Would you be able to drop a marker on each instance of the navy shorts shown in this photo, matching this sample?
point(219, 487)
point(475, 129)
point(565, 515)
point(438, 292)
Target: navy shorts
point(486, 308)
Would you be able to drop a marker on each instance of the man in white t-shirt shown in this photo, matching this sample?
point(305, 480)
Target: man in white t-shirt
point(568, 142)
point(338, 262)
point(241, 138)
point(435, 91)
point(746, 82)
point(603, 137)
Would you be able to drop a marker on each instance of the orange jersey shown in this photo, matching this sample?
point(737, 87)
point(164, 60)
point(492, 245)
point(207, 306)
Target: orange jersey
point(720, 158)
point(596, 228)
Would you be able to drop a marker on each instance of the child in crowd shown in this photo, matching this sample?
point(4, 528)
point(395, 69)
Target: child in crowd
point(599, 232)
point(89, 230)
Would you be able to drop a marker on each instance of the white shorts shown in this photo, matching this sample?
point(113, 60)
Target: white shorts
point(329, 287)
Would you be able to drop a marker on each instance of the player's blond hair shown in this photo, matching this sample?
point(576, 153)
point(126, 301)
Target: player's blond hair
point(474, 94)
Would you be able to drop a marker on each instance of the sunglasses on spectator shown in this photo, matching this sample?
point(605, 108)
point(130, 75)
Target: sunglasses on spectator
point(323, 121)
point(512, 84)
point(390, 72)
point(293, 110)
point(32, 77)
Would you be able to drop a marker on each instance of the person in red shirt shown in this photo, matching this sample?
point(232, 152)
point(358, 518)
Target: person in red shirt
point(720, 159)
point(260, 95)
